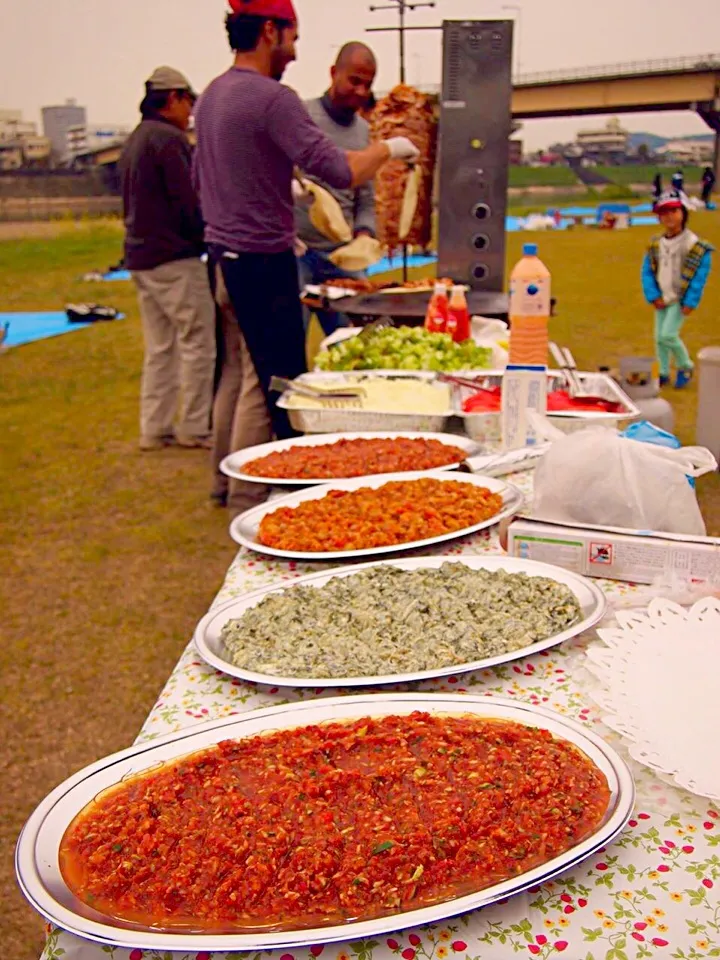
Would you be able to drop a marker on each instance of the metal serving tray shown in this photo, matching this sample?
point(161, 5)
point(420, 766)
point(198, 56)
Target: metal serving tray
point(330, 420)
point(485, 427)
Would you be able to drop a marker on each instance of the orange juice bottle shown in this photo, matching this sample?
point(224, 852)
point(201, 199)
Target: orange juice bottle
point(458, 324)
point(437, 312)
point(529, 309)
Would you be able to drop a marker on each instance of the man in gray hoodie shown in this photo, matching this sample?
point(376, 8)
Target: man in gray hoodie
point(337, 113)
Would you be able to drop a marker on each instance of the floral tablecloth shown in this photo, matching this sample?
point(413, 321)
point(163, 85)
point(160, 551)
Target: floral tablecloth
point(653, 893)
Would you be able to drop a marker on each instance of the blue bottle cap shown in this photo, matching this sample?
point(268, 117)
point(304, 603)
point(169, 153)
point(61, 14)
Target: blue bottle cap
point(530, 249)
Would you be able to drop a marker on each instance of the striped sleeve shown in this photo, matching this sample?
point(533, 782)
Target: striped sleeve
point(291, 127)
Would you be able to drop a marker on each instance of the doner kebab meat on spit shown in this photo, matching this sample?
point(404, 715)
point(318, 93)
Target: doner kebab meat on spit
point(409, 113)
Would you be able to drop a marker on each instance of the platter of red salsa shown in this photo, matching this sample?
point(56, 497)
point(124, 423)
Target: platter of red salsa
point(317, 458)
point(319, 821)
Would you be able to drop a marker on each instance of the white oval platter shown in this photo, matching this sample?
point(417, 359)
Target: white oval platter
point(210, 646)
point(36, 856)
point(232, 466)
point(244, 529)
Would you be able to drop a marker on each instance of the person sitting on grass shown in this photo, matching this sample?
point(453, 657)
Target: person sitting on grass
point(674, 274)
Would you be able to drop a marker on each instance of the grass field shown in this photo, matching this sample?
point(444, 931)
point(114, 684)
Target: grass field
point(542, 177)
point(645, 173)
point(563, 176)
point(110, 557)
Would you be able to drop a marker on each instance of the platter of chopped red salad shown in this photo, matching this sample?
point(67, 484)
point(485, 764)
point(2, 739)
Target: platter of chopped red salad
point(317, 458)
point(321, 821)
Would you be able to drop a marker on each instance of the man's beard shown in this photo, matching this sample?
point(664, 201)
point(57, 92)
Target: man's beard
point(277, 63)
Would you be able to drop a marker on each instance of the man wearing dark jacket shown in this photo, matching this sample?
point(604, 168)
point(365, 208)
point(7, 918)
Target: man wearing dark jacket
point(163, 246)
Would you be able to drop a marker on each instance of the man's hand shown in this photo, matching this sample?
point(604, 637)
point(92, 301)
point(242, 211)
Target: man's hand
point(659, 303)
point(686, 311)
point(402, 149)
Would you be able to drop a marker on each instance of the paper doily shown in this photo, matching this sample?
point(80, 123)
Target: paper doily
point(659, 674)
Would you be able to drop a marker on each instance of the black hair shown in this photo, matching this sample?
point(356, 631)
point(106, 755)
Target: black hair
point(244, 30)
point(156, 100)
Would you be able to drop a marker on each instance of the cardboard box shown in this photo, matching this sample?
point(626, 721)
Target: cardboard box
point(614, 553)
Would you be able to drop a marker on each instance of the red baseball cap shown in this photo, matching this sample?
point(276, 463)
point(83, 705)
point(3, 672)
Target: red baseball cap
point(272, 9)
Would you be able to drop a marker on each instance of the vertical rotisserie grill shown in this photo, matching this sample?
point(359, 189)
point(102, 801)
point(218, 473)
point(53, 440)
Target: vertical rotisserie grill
point(475, 126)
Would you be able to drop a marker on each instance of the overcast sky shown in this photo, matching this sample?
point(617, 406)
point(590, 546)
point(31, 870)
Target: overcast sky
point(100, 52)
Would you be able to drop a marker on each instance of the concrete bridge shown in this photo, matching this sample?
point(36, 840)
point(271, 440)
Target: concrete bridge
point(683, 83)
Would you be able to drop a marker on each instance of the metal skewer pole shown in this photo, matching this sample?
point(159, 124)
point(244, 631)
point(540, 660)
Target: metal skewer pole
point(402, 6)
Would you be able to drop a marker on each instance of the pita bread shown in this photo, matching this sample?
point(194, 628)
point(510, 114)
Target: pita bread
point(326, 214)
point(358, 255)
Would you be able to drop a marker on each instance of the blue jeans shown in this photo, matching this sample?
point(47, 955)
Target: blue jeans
point(315, 267)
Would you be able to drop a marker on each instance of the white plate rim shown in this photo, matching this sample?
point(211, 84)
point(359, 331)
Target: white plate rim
point(476, 562)
point(623, 795)
point(512, 497)
point(232, 465)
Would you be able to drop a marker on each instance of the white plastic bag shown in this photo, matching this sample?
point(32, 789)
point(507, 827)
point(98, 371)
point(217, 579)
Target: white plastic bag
point(596, 476)
point(494, 335)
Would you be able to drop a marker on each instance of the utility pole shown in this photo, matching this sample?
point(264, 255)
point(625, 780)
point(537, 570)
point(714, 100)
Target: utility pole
point(402, 7)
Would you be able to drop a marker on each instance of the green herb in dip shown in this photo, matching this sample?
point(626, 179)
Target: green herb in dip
point(387, 620)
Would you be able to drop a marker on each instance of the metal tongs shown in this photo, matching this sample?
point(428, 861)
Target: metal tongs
point(380, 324)
point(329, 397)
point(475, 385)
point(566, 362)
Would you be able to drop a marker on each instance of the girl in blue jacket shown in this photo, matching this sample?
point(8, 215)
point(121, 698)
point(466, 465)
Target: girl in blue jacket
point(674, 274)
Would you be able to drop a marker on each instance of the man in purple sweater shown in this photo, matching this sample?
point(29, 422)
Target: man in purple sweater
point(252, 132)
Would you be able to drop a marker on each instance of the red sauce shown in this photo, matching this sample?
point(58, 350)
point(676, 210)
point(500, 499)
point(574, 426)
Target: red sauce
point(355, 458)
point(490, 401)
point(328, 824)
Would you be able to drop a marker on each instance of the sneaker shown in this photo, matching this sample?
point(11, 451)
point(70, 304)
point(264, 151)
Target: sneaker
point(664, 381)
point(683, 378)
point(195, 443)
point(148, 444)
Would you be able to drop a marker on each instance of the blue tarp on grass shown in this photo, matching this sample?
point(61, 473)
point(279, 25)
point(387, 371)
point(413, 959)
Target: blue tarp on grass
point(117, 275)
point(29, 327)
point(395, 263)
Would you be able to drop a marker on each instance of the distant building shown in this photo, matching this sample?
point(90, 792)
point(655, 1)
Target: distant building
point(11, 156)
point(20, 145)
point(688, 151)
point(25, 153)
point(36, 151)
point(84, 138)
point(56, 123)
point(607, 145)
point(13, 127)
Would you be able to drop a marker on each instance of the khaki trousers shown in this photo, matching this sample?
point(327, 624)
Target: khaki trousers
point(240, 414)
point(178, 320)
